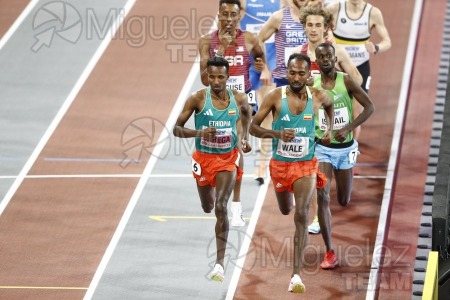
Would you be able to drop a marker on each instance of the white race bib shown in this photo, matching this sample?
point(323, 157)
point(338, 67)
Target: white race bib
point(297, 148)
point(236, 83)
point(222, 139)
point(251, 97)
point(341, 119)
point(353, 155)
point(357, 53)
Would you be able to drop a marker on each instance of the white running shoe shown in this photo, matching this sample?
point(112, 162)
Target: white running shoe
point(237, 220)
point(296, 285)
point(314, 227)
point(217, 273)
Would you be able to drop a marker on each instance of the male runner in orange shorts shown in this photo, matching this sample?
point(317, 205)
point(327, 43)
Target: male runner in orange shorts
point(236, 46)
point(215, 160)
point(293, 167)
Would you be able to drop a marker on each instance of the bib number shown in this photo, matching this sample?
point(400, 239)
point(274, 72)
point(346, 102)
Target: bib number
point(352, 156)
point(251, 97)
point(196, 168)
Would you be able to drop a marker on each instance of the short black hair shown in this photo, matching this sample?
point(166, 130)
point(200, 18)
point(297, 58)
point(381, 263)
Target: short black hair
point(301, 57)
point(218, 62)
point(326, 45)
point(237, 2)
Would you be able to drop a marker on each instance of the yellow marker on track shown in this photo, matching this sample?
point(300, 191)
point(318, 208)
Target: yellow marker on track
point(165, 218)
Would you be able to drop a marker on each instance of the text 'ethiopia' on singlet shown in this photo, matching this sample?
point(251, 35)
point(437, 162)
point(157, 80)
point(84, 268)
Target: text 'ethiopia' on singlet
point(290, 35)
point(302, 146)
point(238, 59)
point(352, 34)
point(343, 108)
point(223, 120)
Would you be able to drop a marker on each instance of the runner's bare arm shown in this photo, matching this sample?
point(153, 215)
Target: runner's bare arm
point(333, 8)
point(244, 111)
point(270, 104)
point(203, 50)
point(320, 98)
point(347, 65)
point(270, 27)
point(363, 98)
point(257, 50)
point(377, 22)
point(266, 32)
point(193, 104)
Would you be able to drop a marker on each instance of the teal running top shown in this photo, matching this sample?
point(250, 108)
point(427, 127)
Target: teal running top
point(302, 146)
point(223, 120)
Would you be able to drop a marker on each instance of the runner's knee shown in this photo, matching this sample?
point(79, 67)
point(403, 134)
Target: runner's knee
point(221, 209)
point(344, 200)
point(208, 207)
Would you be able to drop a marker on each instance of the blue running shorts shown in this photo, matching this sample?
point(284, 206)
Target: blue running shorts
point(339, 158)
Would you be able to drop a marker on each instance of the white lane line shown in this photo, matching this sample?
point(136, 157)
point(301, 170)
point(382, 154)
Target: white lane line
point(73, 93)
point(387, 195)
point(56, 176)
point(193, 74)
point(108, 176)
point(47, 176)
point(17, 23)
point(247, 240)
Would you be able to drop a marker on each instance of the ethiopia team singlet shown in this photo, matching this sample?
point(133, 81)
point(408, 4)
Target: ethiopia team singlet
point(225, 122)
point(302, 147)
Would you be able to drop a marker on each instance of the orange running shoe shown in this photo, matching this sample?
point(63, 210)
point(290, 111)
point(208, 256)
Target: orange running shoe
point(330, 260)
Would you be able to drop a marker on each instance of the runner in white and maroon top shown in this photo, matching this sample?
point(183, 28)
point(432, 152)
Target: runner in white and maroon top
point(234, 45)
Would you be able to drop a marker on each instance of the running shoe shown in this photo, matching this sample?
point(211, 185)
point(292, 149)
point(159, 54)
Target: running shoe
point(314, 227)
point(217, 273)
point(237, 220)
point(330, 260)
point(296, 285)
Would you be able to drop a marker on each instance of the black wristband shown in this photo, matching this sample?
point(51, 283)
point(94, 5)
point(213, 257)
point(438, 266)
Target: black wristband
point(377, 48)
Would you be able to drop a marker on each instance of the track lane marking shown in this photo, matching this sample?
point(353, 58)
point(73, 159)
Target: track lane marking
point(17, 23)
point(65, 106)
point(185, 91)
point(165, 218)
point(55, 176)
point(382, 230)
point(18, 287)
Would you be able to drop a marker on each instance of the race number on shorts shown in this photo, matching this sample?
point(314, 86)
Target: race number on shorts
point(196, 168)
point(251, 97)
point(352, 156)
